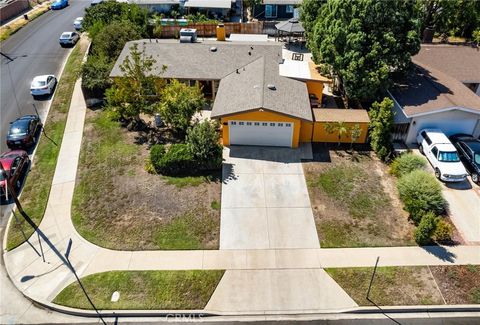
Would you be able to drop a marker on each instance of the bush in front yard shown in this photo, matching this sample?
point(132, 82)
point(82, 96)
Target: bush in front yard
point(443, 231)
point(421, 193)
point(204, 143)
point(406, 163)
point(178, 159)
point(426, 228)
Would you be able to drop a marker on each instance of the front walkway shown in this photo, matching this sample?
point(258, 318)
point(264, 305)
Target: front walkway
point(43, 280)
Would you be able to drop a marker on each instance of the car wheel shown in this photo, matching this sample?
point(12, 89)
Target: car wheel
point(420, 148)
point(475, 178)
point(438, 174)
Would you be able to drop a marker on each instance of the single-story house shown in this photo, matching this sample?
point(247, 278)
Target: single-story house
point(461, 62)
point(254, 103)
point(276, 9)
point(430, 98)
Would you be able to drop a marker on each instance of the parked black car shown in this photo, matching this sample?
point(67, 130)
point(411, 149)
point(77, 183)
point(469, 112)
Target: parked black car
point(468, 149)
point(22, 132)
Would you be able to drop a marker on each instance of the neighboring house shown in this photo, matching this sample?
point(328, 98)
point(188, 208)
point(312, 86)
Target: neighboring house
point(461, 62)
point(432, 99)
point(259, 98)
point(162, 6)
point(276, 9)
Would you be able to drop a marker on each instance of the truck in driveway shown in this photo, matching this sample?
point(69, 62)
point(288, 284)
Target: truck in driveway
point(442, 155)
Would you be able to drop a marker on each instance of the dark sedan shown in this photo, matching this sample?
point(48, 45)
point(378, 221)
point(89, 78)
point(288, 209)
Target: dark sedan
point(468, 149)
point(23, 131)
point(15, 163)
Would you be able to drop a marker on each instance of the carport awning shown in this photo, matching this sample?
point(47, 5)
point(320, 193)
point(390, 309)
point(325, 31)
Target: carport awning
point(225, 4)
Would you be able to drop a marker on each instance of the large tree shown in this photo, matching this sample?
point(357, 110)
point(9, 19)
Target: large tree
point(111, 39)
point(111, 10)
point(365, 42)
point(309, 13)
point(138, 90)
point(451, 17)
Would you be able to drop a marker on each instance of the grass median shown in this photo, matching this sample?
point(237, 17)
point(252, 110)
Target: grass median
point(143, 290)
point(37, 187)
point(10, 29)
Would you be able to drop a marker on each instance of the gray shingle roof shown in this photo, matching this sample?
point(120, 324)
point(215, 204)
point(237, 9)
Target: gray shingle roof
point(248, 89)
point(461, 62)
point(195, 61)
point(429, 90)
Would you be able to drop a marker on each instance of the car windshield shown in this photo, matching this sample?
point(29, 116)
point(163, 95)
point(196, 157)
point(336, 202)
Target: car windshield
point(448, 156)
point(65, 35)
point(18, 128)
point(38, 83)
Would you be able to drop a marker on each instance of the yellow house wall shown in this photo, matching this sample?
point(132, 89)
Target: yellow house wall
point(261, 117)
point(306, 131)
point(320, 135)
point(315, 87)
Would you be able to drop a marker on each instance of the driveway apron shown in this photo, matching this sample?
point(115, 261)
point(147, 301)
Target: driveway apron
point(265, 202)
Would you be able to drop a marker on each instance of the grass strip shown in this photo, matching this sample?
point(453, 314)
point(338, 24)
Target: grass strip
point(143, 290)
point(10, 29)
point(392, 286)
point(37, 187)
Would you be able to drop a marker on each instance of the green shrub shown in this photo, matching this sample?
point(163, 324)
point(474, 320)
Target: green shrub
point(426, 228)
point(443, 231)
point(177, 160)
point(381, 125)
point(204, 143)
point(406, 163)
point(421, 193)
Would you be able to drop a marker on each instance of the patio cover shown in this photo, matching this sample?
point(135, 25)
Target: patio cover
point(290, 26)
point(225, 4)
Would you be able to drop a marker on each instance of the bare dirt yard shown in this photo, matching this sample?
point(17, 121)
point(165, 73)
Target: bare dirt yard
point(458, 284)
point(355, 200)
point(119, 205)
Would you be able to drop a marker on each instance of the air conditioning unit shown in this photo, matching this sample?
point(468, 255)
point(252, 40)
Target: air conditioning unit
point(188, 35)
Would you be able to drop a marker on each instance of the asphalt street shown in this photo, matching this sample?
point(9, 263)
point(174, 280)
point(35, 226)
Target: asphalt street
point(34, 50)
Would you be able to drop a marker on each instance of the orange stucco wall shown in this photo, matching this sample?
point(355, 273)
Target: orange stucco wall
point(321, 135)
point(261, 116)
point(306, 131)
point(315, 87)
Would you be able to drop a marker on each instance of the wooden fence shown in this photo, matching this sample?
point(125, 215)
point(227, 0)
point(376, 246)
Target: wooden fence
point(210, 29)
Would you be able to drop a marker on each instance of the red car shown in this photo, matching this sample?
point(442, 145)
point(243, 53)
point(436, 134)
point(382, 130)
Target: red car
point(16, 164)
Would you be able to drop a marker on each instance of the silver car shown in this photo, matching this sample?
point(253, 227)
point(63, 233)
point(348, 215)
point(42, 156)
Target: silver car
point(69, 38)
point(77, 24)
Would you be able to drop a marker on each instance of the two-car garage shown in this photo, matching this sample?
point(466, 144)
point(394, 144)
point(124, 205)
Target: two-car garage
point(261, 133)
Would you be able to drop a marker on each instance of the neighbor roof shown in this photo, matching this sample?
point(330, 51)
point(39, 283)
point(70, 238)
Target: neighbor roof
point(428, 90)
point(461, 62)
point(258, 85)
point(197, 60)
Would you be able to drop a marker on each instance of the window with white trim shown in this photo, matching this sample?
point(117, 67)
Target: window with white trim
point(249, 123)
point(289, 9)
point(280, 124)
point(256, 124)
point(233, 123)
point(288, 125)
point(241, 123)
point(272, 124)
point(264, 124)
point(270, 11)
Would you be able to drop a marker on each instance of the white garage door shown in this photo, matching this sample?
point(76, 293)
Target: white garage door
point(450, 127)
point(278, 134)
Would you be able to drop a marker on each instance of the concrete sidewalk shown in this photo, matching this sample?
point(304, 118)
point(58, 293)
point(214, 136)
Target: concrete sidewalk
point(42, 281)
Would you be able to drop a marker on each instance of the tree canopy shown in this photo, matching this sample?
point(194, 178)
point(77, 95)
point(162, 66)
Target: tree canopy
point(365, 42)
point(108, 11)
point(111, 39)
point(179, 103)
point(451, 17)
point(137, 91)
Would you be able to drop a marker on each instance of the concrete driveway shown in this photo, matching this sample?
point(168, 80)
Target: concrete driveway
point(265, 202)
point(464, 208)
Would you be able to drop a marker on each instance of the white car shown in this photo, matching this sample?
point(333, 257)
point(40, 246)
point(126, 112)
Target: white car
point(77, 23)
point(442, 155)
point(68, 38)
point(43, 85)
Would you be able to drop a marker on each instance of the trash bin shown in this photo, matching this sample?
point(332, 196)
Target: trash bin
point(25, 17)
point(158, 120)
